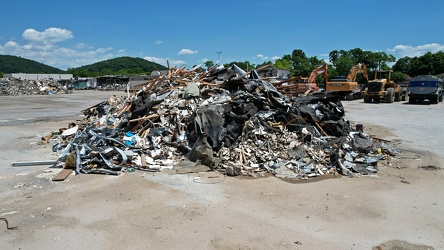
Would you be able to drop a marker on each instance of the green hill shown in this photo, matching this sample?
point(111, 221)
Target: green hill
point(117, 66)
point(15, 64)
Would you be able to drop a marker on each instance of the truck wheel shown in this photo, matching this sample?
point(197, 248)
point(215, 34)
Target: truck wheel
point(367, 99)
point(441, 98)
point(404, 97)
point(349, 97)
point(390, 95)
point(434, 99)
point(398, 96)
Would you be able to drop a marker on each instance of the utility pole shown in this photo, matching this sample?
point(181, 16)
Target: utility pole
point(219, 52)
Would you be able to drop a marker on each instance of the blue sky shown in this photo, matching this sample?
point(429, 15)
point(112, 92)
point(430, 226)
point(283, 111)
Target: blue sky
point(67, 34)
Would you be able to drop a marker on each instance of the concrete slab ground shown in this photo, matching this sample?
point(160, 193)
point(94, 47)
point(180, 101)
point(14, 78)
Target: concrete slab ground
point(399, 208)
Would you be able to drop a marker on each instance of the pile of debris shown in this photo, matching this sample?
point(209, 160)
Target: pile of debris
point(16, 87)
point(112, 87)
point(225, 120)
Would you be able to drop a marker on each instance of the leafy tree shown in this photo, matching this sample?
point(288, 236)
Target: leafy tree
point(106, 71)
point(358, 55)
point(209, 64)
point(246, 65)
point(300, 65)
point(314, 62)
point(381, 59)
point(85, 73)
point(398, 76)
point(427, 64)
point(421, 65)
point(135, 71)
point(342, 62)
point(263, 64)
point(438, 63)
point(402, 65)
point(283, 63)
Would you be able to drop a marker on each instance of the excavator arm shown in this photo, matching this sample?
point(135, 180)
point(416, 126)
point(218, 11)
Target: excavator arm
point(319, 70)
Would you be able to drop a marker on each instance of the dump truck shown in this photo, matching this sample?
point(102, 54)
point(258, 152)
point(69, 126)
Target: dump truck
point(346, 87)
point(382, 88)
point(426, 87)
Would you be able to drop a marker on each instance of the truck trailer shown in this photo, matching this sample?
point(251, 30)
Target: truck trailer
point(426, 87)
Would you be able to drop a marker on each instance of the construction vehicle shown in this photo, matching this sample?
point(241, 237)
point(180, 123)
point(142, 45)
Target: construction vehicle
point(426, 87)
point(382, 88)
point(346, 87)
point(302, 85)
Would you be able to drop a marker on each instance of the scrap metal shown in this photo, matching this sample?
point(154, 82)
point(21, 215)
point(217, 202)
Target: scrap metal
point(226, 119)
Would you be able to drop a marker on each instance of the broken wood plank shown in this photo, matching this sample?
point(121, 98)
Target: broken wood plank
point(145, 118)
point(62, 175)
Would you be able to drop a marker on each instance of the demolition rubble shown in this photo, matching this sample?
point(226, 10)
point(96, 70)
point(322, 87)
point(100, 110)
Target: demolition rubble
point(222, 120)
point(17, 87)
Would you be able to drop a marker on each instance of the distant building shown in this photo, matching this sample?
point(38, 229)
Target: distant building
point(275, 73)
point(26, 76)
point(109, 80)
point(83, 83)
point(138, 80)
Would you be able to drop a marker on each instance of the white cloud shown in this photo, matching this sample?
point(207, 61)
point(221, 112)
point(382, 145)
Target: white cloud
point(50, 35)
point(103, 50)
point(42, 47)
point(157, 42)
point(163, 61)
point(122, 51)
point(11, 45)
point(410, 51)
point(83, 46)
point(187, 52)
point(204, 60)
point(38, 47)
point(274, 58)
point(261, 57)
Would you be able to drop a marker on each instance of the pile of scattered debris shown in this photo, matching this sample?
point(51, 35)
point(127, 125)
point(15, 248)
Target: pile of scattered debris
point(112, 87)
point(16, 87)
point(223, 120)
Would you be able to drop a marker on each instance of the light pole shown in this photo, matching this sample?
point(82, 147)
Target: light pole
point(220, 52)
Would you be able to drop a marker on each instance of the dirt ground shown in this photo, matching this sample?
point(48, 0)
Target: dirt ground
point(400, 207)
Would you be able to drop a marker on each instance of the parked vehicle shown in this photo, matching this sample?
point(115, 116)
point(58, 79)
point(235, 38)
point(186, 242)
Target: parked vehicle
point(347, 87)
point(382, 88)
point(426, 87)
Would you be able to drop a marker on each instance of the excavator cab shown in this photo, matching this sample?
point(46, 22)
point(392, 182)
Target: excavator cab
point(346, 87)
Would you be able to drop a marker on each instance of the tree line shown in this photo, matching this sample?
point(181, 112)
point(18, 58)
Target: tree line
point(124, 66)
point(341, 61)
point(298, 63)
point(427, 64)
point(16, 64)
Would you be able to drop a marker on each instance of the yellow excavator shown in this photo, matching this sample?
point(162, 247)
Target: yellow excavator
point(310, 82)
point(346, 87)
point(302, 85)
